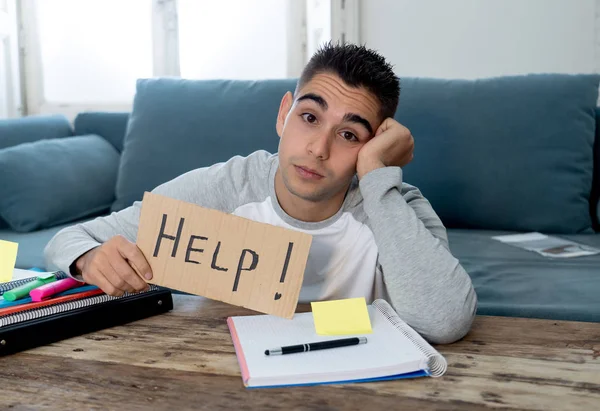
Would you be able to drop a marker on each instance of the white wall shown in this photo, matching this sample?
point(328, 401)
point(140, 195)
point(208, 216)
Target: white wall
point(482, 38)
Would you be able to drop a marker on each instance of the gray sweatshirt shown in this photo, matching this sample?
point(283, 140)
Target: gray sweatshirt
point(384, 242)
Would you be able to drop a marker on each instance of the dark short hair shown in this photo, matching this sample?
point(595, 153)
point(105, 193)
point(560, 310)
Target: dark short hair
point(357, 66)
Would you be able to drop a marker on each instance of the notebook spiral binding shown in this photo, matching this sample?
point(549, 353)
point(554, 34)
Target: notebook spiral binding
point(62, 307)
point(4, 287)
point(436, 363)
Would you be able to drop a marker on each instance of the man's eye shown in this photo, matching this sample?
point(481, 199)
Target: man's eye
point(349, 136)
point(309, 118)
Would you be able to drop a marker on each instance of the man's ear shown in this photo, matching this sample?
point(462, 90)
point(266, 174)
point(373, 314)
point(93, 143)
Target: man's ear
point(284, 109)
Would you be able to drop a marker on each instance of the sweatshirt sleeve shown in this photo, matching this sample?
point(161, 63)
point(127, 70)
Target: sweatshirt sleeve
point(222, 187)
point(426, 284)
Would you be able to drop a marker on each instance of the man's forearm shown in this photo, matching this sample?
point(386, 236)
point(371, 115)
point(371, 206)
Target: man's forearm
point(66, 247)
point(427, 285)
point(72, 242)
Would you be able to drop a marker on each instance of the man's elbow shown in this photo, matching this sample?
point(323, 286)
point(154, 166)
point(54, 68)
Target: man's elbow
point(53, 249)
point(449, 333)
point(453, 326)
point(49, 254)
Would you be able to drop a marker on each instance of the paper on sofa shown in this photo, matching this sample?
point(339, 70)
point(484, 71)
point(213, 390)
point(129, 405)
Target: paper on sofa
point(548, 246)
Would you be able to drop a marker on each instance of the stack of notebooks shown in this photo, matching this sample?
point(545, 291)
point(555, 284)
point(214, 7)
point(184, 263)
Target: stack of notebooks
point(393, 350)
point(27, 324)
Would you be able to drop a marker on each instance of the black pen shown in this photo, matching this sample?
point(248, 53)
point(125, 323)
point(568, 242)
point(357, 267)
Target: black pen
point(322, 345)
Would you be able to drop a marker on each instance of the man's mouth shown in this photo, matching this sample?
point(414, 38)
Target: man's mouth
point(308, 173)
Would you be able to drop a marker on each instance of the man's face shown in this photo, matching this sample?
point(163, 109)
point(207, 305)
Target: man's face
point(322, 130)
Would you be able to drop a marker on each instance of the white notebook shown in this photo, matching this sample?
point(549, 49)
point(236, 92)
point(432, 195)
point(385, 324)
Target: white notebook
point(393, 350)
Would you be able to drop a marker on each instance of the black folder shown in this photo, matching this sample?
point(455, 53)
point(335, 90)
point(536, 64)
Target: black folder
point(46, 325)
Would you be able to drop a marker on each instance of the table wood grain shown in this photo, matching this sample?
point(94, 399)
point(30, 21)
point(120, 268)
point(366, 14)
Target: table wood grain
point(185, 360)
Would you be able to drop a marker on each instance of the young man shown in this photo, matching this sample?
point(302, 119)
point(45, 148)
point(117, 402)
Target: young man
point(337, 176)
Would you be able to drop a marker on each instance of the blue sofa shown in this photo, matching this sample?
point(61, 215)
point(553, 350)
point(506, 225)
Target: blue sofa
point(494, 156)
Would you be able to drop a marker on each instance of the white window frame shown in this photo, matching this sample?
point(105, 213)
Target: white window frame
point(335, 20)
point(33, 74)
point(165, 38)
point(10, 38)
point(165, 53)
point(345, 23)
point(296, 37)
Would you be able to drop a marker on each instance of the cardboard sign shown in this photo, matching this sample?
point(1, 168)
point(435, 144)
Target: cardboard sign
point(222, 256)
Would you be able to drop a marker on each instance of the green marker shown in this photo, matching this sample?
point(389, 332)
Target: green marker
point(23, 291)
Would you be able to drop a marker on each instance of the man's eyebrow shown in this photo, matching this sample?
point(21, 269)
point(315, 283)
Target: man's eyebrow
point(351, 117)
point(355, 118)
point(316, 98)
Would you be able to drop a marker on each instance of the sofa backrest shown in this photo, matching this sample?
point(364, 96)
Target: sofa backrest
point(508, 153)
point(111, 126)
point(595, 194)
point(511, 153)
point(33, 128)
point(178, 125)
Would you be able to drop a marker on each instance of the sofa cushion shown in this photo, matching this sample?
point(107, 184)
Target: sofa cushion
point(50, 182)
point(111, 126)
point(513, 282)
point(595, 197)
point(178, 125)
point(509, 153)
point(33, 128)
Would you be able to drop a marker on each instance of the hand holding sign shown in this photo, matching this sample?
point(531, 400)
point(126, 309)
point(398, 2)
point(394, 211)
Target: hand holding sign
point(221, 256)
point(117, 266)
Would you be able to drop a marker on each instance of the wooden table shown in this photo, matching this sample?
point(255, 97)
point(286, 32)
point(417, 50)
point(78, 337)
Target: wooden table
point(185, 360)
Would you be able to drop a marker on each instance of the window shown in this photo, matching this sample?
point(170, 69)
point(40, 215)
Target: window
point(87, 54)
point(93, 51)
point(10, 91)
point(233, 39)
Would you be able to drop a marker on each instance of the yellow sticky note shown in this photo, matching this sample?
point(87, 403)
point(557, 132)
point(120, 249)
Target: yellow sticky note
point(8, 258)
point(341, 317)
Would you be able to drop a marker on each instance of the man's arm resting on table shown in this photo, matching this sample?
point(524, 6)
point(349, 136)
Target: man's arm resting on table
point(427, 286)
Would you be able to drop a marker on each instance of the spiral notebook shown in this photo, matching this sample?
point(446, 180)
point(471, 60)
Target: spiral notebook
point(393, 351)
point(53, 322)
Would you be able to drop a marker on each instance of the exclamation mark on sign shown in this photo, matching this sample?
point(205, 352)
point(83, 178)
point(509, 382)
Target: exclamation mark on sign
point(285, 267)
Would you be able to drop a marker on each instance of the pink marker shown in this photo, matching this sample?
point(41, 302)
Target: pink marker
point(48, 290)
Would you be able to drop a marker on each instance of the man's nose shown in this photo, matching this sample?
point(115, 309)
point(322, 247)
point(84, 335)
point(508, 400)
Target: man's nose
point(319, 146)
